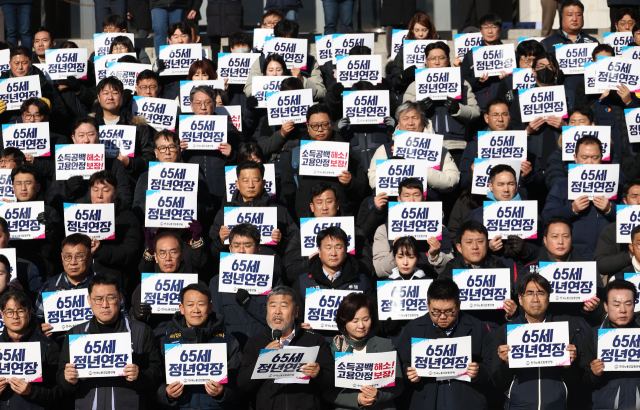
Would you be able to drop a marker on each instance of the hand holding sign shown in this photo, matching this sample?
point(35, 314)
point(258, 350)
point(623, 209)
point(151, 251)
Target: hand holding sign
point(580, 204)
point(214, 389)
point(71, 374)
point(174, 390)
point(311, 369)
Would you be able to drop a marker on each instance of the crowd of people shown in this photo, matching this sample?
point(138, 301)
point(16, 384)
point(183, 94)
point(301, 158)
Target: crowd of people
point(111, 270)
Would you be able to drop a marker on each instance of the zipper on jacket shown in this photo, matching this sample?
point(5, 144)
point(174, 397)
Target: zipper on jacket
point(539, 387)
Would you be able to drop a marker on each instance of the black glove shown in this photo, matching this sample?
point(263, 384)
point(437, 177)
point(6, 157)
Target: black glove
point(158, 66)
point(452, 105)
point(243, 298)
point(73, 83)
point(426, 104)
point(141, 312)
point(337, 90)
point(44, 219)
point(388, 327)
point(409, 75)
point(252, 102)
point(75, 186)
point(517, 245)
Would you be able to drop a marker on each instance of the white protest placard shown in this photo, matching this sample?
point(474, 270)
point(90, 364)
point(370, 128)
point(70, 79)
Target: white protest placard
point(593, 180)
point(323, 49)
point(542, 102)
point(100, 63)
point(422, 220)
point(235, 67)
point(253, 273)
point(343, 43)
point(351, 69)
point(438, 83)
point(538, 344)
point(464, 42)
point(4, 60)
point(179, 57)
point(6, 186)
point(413, 52)
point(572, 133)
point(162, 290)
point(265, 219)
point(419, 145)
point(365, 107)
point(618, 349)
point(390, 172)
point(285, 106)
point(118, 139)
point(173, 176)
point(538, 39)
point(631, 52)
point(78, 160)
point(100, 355)
point(505, 218)
point(590, 78)
point(482, 169)
point(509, 144)
point(127, 73)
point(635, 279)
point(311, 227)
point(166, 209)
point(10, 253)
point(263, 84)
point(618, 40)
point(30, 138)
point(22, 220)
point(233, 113)
point(97, 221)
point(323, 158)
point(66, 62)
point(44, 68)
point(23, 361)
point(321, 305)
point(64, 309)
point(281, 364)
point(292, 50)
point(627, 217)
point(570, 281)
point(102, 41)
point(632, 118)
point(483, 289)
point(370, 369)
point(13, 91)
point(187, 86)
point(613, 71)
point(441, 357)
point(195, 363)
point(230, 178)
point(523, 78)
point(259, 36)
point(160, 113)
point(571, 57)
point(204, 132)
point(397, 37)
point(493, 60)
point(403, 299)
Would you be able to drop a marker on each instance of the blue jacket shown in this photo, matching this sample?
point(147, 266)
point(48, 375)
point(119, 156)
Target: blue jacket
point(610, 111)
point(587, 225)
point(570, 82)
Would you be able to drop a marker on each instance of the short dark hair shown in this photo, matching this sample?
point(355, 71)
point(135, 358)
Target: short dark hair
point(600, 48)
point(557, 220)
point(537, 278)
point(148, 75)
point(363, 86)
point(42, 106)
point(320, 188)
point(104, 177)
point(272, 12)
point(318, 109)
point(278, 59)
point(170, 135)
point(68, 44)
point(410, 183)
point(568, 3)
point(286, 28)
point(128, 59)
point(634, 232)
point(20, 51)
point(529, 48)
point(84, 120)
point(291, 83)
point(630, 184)
point(623, 11)
point(360, 51)
point(443, 289)
point(552, 60)
point(586, 140)
point(183, 27)
point(75, 240)
point(168, 234)
point(350, 305)
point(491, 19)
point(500, 168)
point(249, 165)
point(46, 30)
point(18, 296)
point(198, 287)
point(497, 101)
point(115, 83)
point(5, 261)
point(18, 156)
point(122, 41)
point(26, 168)
point(240, 37)
point(406, 243)
point(440, 45)
point(103, 279)
point(332, 232)
point(584, 110)
point(4, 227)
point(249, 149)
point(471, 226)
point(248, 230)
point(114, 20)
point(618, 285)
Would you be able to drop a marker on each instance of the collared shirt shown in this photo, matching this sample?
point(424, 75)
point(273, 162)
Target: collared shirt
point(417, 274)
point(67, 285)
point(450, 328)
point(335, 275)
point(288, 339)
point(578, 37)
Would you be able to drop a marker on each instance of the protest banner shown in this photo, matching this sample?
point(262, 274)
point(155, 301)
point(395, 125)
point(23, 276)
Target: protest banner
point(4, 60)
point(590, 79)
point(259, 36)
point(10, 254)
point(195, 363)
point(286, 106)
point(127, 73)
point(63, 309)
point(97, 221)
point(284, 363)
point(422, 220)
point(311, 227)
point(441, 357)
point(413, 52)
point(438, 83)
point(230, 177)
point(523, 78)
point(505, 218)
point(160, 113)
point(493, 60)
point(570, 281)
point(542, 102)
point(118, 139)
point(593, 180)
point(635, 279)
point(538, 344)
point(178, 58)
point(402, 300)
point(23, 361)
point(365, 107)
point(265, 219)
point(631, 52)
point(632, 118)
point(341, 44)
point(419, 145)
point(166, 209)
point(572, 133)
point(292, 50)
point(66, 62)
point(235, 67)
point(78, 160)
point(173, 176)
point(263, 84)
point(369, 369)
point(321, 305)
point(233, 113)
point(100, 63)
point(351, 69)
point(323, 49)
point(464, 42)
point(571, 57)
point(100, 355)
point(323, 158)
point(102, 42)
point(390, 172)
point(187, 86)
point(627, 218)
point(22, 219)
point(397, 37)
point(482, 169)
point(613, 71)
point(503, 145)
point(483, 289)
point(6, 186)
point(14, 91)
point(253, 273)
point(619, 349)
point(30, 138)
point(618, 40)
point(203, 132)
point(162, 290)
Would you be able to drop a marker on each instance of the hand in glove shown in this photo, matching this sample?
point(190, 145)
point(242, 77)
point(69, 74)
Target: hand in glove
point(252, 103)
point(337, 90)
point(343, 124)
point(158, 66)
point(388, 327)
point(75, 187)
point(141, 312)
point(517, 245)
point(243, 298)
point(452, 105)
point(73, 83)
point(45, 219)
point(426, 104)
point(196, 230)
point(149, 236)
point(390, 123)
point(3, 106)
point(409, 75)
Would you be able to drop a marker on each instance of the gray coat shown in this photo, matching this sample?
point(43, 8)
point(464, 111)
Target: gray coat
point(343, 399)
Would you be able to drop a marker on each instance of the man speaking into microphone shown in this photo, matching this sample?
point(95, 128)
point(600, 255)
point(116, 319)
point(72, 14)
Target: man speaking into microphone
point(283, 331)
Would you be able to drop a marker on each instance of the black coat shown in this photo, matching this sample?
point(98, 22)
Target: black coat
point(141, 14)
point(397, 12)
point(224, 17)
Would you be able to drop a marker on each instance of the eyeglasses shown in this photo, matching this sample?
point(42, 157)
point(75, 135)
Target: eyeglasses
point(148, 87)
point(434, 59)
point(100, 300)
point(78, 258)
point(7, 161)
point(541, 66)
point(27, 116)
point(497, 115)
point(447, 312)
point(530, 294)
point(271, 23)
point(12, 313)
point(324, 125)
point(489, 27)
point(626, 23)
point(163, 254)
point(164, 148)
point(205, 104)
point(120, 49)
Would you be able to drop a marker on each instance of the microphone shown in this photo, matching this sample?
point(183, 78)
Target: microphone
point(277, 334)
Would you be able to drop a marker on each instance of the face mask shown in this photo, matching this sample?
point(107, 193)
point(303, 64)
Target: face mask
point(545, 76)
point(241, 50)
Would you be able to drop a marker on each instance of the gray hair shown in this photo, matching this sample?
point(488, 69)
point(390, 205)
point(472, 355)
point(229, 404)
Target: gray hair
point(408, 106)
point(202, 89)
point(286, 291)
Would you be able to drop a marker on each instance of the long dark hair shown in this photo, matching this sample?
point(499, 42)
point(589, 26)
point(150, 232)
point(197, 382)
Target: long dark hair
point(350, 306)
